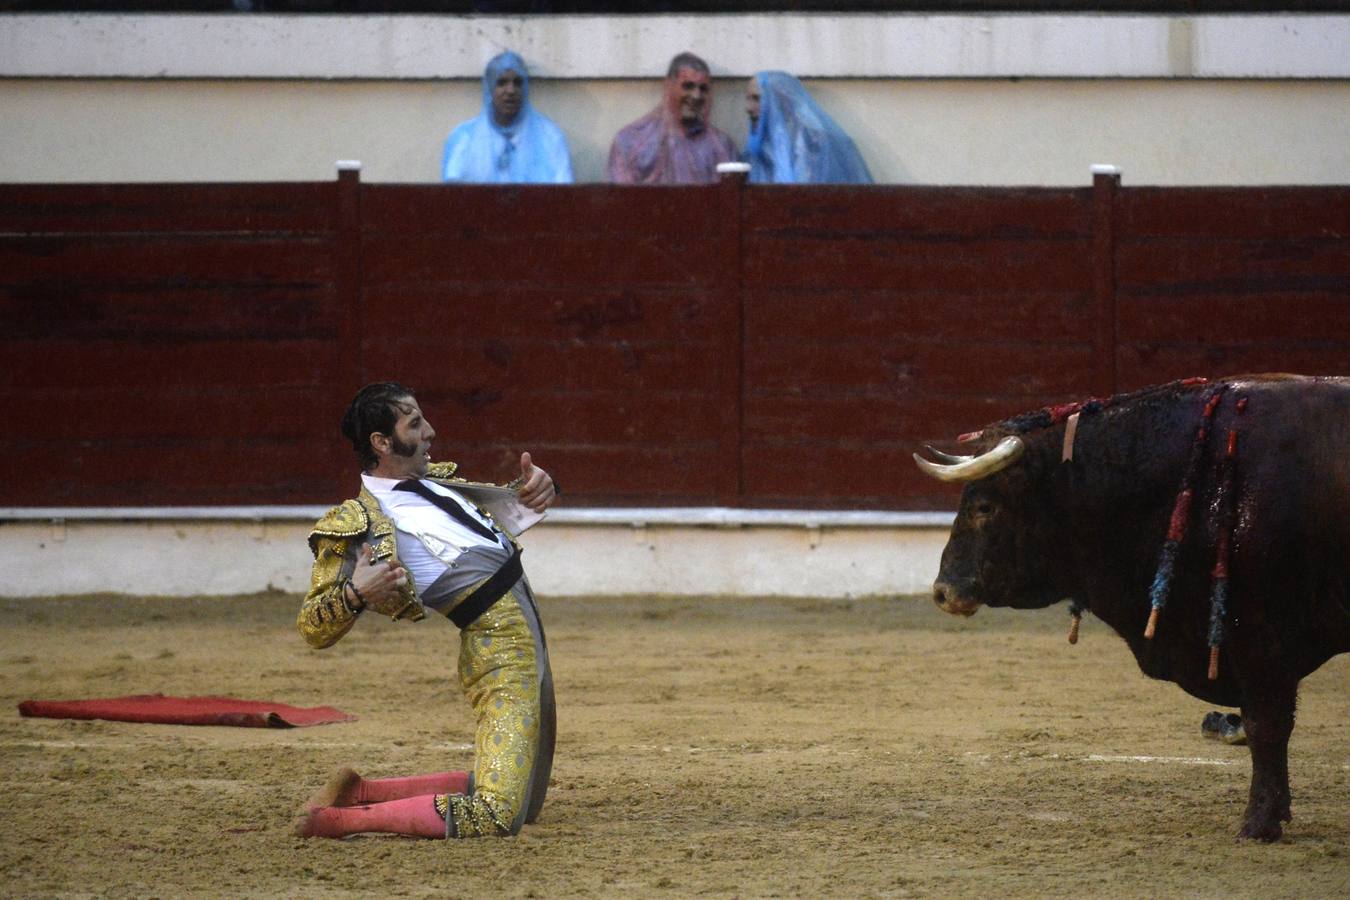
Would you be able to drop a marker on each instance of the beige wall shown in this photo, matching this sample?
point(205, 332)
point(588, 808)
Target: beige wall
point(930, 99)
point(912, 131)
point(233, 557)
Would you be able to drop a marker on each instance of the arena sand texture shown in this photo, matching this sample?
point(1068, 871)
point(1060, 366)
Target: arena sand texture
point(714, 746)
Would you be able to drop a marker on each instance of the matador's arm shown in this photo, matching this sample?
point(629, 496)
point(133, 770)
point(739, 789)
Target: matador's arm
point(325, 616)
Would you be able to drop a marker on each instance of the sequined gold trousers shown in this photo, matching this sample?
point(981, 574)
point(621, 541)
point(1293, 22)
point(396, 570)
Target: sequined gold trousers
point(504, 671)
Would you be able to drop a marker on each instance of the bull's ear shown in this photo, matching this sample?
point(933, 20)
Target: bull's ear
point(973, 468)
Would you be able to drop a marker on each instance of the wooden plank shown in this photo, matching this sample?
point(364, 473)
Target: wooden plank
point(164, 207)
point(1178, 266)
point(864, 476)
point(77, 363)
point(907, 419)
point(991, 313)
point(521, 213)
point(870, 213)
point(593, 418)
point(182, 259)
point(635, 312)
point(174, 410)
point(593, 475)
point(579, 260)
point(1275, 317)
point(322, 471)
point(1105, 190)
point(723, 407)
point(468, 363)
point(970, 264)
point(166, 312)
point(1006, 369)
point(1143, 364)
point(150, 471)
point(1289, 212)
point(349, 312)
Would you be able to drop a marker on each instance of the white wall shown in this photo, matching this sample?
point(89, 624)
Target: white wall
point(888, 45)
point(929, 99)
point(565, 556)
point(1004, 132)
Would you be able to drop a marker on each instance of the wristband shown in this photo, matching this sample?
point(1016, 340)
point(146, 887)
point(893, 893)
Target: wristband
point(354, 610)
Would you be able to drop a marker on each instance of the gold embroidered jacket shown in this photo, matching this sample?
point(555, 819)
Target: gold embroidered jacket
point(336, 543)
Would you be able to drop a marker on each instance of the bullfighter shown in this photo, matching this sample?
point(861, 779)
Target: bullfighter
point(412, 540)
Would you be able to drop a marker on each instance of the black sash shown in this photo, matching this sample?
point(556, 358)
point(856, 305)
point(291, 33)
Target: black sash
point(489, 592)
point(447, 506)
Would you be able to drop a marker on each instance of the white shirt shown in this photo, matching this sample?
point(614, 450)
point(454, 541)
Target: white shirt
point(428, 540)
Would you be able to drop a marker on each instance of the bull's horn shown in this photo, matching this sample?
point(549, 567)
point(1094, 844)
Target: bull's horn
point(973, 468)
point(945, 457)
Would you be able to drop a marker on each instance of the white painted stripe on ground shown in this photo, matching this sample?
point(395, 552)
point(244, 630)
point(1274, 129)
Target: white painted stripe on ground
point(1166, 760)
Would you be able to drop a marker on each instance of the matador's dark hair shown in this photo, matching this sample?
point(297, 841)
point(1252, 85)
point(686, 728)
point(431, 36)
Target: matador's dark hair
point(374, 409)
point(687, 60)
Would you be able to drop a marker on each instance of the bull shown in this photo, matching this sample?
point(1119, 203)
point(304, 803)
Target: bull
point(1090, 502)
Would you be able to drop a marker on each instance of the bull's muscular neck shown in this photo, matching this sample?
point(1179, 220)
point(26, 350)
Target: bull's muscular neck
point(1111, 503)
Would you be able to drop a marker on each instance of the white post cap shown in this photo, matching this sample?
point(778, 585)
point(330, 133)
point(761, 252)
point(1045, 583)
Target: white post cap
point(349, 165)
point(1104, 169)
point(728, 168)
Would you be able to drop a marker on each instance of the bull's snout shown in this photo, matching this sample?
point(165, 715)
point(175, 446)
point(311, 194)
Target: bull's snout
point(949, 600)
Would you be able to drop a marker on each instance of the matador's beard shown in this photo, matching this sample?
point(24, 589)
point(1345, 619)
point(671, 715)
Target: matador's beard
point(402, 448)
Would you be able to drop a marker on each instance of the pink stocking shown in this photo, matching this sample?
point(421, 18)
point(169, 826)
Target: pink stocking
point(346, 788)
point(379, 790)
point(413, 816)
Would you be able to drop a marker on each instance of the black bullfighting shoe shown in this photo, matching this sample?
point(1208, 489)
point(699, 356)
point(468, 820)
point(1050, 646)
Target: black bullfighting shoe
point(1227, 728)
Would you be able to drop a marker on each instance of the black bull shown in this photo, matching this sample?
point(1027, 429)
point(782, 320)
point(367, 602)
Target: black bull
point(1034, 529)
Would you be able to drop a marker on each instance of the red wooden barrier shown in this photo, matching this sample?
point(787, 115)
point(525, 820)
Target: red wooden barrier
point(758, 346)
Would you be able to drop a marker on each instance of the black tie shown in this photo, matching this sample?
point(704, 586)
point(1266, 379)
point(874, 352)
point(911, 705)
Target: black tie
point(448, 506)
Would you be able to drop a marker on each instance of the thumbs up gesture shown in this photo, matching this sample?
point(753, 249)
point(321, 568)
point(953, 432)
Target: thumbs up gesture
point(536, 489)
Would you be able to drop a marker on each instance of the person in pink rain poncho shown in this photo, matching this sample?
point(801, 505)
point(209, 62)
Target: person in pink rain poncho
point(673, 144)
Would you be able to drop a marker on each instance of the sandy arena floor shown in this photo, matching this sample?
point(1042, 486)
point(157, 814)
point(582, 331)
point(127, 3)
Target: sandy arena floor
point(717, 746)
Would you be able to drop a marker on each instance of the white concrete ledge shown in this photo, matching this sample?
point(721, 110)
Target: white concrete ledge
point(897, 45)
point(638, 517)
point(182, 551)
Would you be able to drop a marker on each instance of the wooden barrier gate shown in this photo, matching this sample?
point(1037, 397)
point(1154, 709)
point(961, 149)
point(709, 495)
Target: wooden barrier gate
point(776, 346)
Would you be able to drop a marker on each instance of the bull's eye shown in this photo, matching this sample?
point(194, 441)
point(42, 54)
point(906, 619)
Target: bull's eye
point(984, 509)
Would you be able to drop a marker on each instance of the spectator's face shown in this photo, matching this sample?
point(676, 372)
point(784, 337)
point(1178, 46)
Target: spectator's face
point(508, 92)
point(752, 102)
point(692, 89)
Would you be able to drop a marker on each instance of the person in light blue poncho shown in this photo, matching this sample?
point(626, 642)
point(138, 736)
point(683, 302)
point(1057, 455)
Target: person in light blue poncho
point(509, 141)
point(793, 140)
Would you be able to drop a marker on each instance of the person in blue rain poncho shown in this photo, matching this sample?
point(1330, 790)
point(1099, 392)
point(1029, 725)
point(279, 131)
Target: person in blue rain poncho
point(509, 141)
point(793, 140)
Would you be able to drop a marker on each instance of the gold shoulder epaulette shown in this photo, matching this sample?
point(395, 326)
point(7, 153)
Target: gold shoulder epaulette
point(347, 519)
point(442, 470)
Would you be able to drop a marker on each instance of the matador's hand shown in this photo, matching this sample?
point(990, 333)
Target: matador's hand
point(536, 487)
point(379, 583)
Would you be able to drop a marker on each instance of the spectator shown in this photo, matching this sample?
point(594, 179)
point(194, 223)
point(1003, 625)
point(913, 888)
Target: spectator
point(793, 140)
point(673, 144)
point(509, 141)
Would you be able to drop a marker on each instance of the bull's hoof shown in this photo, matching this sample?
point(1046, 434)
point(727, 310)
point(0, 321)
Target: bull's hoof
point(1265, 832)
point(1265, 826)
point(1227, 728)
